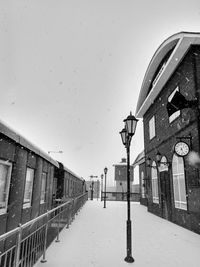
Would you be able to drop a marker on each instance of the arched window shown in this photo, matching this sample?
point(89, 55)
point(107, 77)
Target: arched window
point(179, 182)
point(163, 164)
point(154, 180)
point(143, 185)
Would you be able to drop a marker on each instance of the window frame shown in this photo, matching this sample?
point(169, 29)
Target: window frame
point(154, 183)
point(176, 177)
point(178, 112)
point(43, 192)
point(152, 127)
point(28, 204)
point(3, 210)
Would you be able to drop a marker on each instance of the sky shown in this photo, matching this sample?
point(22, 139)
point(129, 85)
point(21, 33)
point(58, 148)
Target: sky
point(71, 72)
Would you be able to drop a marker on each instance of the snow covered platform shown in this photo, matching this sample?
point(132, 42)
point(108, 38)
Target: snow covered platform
point(97, 237)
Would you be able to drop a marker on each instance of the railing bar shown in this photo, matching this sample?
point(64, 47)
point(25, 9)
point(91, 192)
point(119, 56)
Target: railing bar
point(37, 243)
point(32, 249)
point(29, 250)
point(40, 241)
point(22, 250)
point(10, 258)
point(5, 261)
point(24, 256)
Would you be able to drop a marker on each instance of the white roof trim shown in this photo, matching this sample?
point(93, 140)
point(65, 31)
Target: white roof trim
point(185, 41)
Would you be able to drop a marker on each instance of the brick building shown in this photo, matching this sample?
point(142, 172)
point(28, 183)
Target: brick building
point(173, 185)
point(121, 176)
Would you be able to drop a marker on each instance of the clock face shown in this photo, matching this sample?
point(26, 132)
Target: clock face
point(181, 149)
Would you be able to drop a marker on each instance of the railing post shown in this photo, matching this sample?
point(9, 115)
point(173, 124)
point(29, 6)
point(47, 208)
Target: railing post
point(58, 226)
point(68, 219)
point(18, 244)
point(45, 239)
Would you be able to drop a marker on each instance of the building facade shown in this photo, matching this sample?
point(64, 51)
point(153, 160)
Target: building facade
point(121, 176)
point(171, 130)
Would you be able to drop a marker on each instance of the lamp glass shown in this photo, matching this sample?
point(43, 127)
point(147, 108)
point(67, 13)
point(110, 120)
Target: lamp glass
point(123, 134)
point(131, 123)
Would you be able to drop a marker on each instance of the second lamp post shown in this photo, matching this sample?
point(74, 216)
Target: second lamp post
point(105, 172)
point(126, 135)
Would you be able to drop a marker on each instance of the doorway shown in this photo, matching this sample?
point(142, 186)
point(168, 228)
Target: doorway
point(165, 193)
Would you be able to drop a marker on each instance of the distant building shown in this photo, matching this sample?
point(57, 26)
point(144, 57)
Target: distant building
point(121, 176)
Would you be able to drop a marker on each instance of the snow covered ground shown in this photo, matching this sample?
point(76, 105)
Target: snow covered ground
point(97, 238)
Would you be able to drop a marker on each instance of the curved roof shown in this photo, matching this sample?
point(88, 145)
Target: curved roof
point(179, 44)
point(139, 159)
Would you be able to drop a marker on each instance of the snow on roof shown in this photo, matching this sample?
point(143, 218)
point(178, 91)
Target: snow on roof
point(19, 139)
point(179, 44)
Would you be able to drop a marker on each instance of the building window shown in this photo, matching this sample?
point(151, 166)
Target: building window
point(28, 187)
point(5, 174)
point(177, 113)
point(154, 180)
point(163, 164)
point(43, 188)
point(152, 131)
point(179, 182)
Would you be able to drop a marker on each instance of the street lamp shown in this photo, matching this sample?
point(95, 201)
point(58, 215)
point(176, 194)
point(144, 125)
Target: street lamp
point(126, 135)
point(101, 187)
point(92, 186)
point(105, 172)
point(92, 190)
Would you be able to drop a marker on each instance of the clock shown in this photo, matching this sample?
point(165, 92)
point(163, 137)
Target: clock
point(181, 148)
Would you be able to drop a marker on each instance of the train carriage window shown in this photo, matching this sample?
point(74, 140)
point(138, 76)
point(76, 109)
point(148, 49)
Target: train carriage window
point(5, 174)
point(28, 187)
point(43, 188)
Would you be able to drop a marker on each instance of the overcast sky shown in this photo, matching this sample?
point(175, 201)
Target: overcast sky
point(71, 71)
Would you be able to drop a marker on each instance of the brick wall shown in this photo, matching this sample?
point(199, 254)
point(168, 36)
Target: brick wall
point(187, 78)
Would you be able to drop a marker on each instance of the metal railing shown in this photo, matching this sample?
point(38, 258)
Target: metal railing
point(120, 196)
point(24, 245)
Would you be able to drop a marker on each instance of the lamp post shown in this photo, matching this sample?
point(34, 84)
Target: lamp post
point(101, 187)
point(126, 135)
point(92, 185)
point(105, 172)
point(92, 190)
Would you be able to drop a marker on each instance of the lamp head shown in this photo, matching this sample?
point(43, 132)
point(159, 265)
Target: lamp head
point(130, 124)
point(105, 170)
